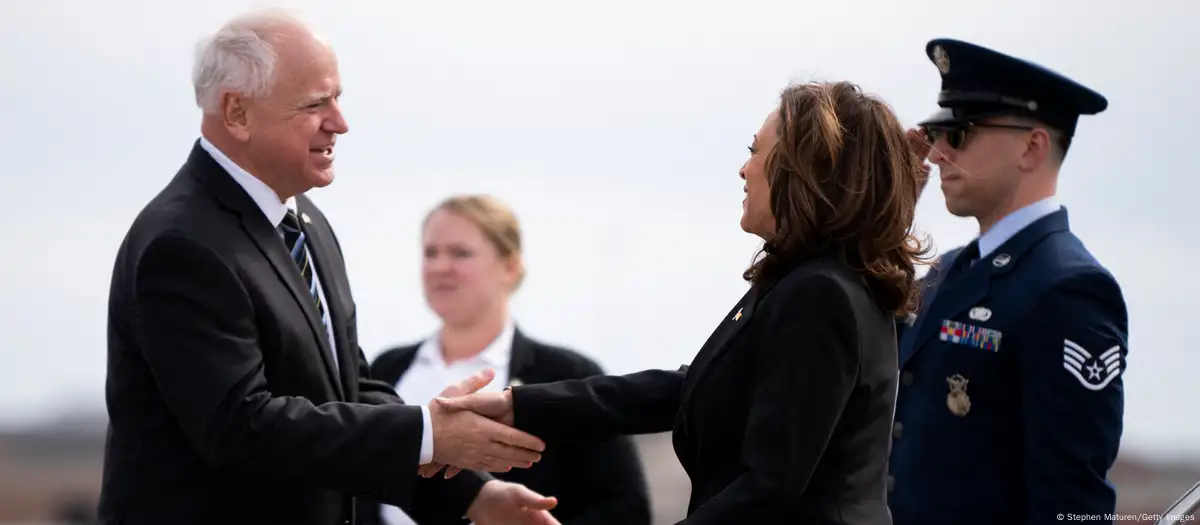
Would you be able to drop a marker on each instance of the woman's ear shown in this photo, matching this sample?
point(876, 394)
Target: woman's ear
point(514, 268)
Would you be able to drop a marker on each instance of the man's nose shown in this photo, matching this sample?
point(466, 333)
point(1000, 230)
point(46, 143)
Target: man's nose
point(336, 123)
point(937, 153)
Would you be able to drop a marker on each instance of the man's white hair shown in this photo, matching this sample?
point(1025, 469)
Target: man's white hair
point(239, 57)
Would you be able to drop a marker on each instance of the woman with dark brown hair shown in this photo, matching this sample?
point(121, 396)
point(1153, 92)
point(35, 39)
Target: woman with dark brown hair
point(785, 414)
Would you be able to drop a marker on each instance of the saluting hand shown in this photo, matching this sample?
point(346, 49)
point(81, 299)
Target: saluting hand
point(919, 142)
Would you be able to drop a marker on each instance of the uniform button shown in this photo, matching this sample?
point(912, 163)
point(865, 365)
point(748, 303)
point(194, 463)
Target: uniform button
point(906, 378)
point(897, 430)
point(891, 483)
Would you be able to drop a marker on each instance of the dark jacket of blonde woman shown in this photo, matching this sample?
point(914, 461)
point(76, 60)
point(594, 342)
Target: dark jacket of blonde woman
point(597, 482)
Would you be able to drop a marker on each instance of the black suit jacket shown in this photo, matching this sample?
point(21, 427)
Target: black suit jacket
point(224, 402)
point(783, 417)
point(596, 482)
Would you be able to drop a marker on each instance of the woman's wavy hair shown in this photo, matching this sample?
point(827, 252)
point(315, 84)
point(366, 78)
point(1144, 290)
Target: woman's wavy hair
point(843, 183)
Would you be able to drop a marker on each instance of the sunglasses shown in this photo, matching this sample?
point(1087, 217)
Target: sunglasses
point(956, 134)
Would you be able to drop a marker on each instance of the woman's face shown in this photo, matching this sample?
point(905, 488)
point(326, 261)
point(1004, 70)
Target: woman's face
point(756, 207)
point(463, 274)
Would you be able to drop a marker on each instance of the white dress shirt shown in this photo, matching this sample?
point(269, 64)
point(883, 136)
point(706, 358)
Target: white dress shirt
point(429, 374)
point(268, 201)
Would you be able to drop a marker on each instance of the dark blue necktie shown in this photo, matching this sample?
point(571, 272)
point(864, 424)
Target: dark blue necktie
point(293, 238)
point(965, 258)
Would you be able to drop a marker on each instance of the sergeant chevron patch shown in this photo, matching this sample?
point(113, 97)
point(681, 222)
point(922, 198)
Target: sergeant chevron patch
point(1099, 371)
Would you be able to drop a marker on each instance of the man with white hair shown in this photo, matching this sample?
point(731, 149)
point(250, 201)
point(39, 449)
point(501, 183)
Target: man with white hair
point(236, 390)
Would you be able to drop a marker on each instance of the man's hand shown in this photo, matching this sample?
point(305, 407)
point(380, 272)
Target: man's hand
point(468, 440)
point(920, 146)
point(496, 406)
point(504, 503)
point(467, 386)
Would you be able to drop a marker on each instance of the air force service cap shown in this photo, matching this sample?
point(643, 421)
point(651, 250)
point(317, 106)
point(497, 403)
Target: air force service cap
point(978, 83)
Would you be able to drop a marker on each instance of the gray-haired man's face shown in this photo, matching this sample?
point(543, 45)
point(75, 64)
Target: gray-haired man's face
point(291, 132)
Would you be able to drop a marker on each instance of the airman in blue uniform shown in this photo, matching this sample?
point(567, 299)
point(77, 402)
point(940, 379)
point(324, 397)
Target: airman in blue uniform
point(1011, 398)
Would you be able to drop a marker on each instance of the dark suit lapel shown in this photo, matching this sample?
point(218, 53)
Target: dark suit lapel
point(931, 286)
point(521, 360)
point(720, 340)
point(268, 241)
point(960, 292)
point(322, 249)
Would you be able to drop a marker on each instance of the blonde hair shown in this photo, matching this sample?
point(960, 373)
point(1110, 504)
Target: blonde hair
point(495, 219)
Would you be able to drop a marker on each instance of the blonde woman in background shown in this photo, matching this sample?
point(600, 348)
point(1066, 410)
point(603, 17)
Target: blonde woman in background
point(471, 266)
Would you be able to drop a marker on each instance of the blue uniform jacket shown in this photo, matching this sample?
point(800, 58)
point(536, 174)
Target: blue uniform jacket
point(1033, 339)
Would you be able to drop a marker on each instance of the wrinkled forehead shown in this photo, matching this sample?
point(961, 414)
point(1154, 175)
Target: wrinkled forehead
point(306, 70)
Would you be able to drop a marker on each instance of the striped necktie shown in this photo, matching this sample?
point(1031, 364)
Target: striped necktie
point(293, 238)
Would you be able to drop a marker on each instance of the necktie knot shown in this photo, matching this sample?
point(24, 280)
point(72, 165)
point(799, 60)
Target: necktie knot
point(290, 221)
point(293, 238)
point(290, 228)
point(969, 254)
point(963, 261)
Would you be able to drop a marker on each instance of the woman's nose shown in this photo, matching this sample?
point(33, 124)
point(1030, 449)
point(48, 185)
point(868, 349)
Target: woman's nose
point(437, 263)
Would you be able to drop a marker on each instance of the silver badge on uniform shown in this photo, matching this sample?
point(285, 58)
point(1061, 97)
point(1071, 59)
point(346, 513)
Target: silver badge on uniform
point(957, 400)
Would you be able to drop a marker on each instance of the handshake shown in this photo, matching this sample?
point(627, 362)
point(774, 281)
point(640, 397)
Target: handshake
point(474, 431)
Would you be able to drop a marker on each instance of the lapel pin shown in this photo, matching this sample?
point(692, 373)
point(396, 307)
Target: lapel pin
point(306, 218)
point(738, 315)
point(1001, 260)
point(980, 313)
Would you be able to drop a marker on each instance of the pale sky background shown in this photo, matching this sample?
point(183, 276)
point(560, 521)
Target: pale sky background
point(615, 130)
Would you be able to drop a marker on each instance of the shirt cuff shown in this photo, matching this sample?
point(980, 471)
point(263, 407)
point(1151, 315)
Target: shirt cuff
point(426, 437)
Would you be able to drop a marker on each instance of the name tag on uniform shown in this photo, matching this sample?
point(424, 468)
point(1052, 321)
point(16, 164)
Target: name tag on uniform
point(970, 335)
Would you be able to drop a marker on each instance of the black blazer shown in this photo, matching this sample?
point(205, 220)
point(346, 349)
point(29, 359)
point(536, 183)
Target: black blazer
point(596, 482)
point(783, 417)
point(223, 400)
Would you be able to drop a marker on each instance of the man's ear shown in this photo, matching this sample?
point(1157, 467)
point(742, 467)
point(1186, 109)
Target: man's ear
point(235, 115)
point(1038, 149)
